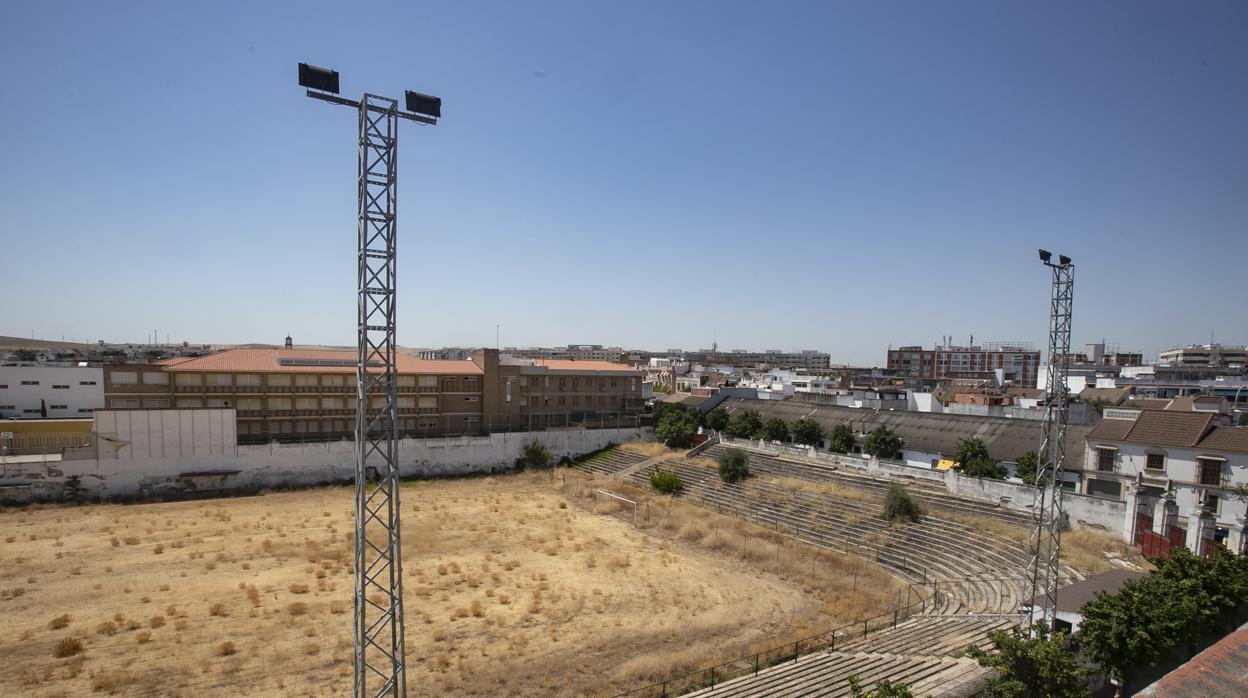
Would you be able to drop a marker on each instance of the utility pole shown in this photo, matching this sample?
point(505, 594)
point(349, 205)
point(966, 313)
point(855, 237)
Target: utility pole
point(378, 618)
point(1044, 567)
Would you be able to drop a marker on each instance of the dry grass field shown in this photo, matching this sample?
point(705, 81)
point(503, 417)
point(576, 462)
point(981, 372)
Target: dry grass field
point(511, 589)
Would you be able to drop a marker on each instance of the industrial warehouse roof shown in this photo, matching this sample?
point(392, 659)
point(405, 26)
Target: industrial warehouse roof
point(309, 361)
point(1006, 438)
point(1156, 427)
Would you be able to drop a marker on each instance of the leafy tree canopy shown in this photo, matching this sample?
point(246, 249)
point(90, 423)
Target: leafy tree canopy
point(808, 432)
point(883, 443)
point(717, 419)
point(1044, 666)
point(734, 465)
point(841, 440)
point(745, 425)
point(776, 429)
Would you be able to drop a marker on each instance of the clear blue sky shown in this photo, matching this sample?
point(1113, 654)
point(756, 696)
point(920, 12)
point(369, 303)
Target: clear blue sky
point(780, 175)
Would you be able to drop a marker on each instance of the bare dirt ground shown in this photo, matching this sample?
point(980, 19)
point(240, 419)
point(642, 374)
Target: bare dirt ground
point(510, 590)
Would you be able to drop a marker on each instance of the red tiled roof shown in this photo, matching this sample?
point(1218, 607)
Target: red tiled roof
point(1156, 427)
point(1226, 439)
point(274, 361)
point(1215, 672)
point(173, 360)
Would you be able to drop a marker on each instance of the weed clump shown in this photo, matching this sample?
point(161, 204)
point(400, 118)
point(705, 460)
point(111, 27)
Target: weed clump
point(734, 465)
point(59, 622)
point(226, 648)
point(666, 481)
point(899, 505)
point(67, 647)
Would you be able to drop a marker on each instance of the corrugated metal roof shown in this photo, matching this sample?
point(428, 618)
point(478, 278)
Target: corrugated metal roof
point(1007, 439)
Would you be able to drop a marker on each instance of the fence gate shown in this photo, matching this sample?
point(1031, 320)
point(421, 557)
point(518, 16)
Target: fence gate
point(1143, 523)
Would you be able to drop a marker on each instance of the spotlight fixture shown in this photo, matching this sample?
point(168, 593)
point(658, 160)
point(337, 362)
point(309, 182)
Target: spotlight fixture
point(1063, 259)
point(424, 104)
point(314, 78)
point(1045, 256)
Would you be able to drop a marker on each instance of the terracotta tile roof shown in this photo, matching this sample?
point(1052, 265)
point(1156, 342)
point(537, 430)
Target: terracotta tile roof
point(1111, 429)
point(1226, 439)
point(1215, 672)
point(1156, 427)
point(584, 365)
point(173, 360)
point(289, 361)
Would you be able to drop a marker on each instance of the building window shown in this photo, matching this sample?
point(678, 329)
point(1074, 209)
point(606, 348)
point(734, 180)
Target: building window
point(60, 387)
point(82, 410)
point(30, 411)
point(1105, 459)
point(472, 398)
point(427, 381)
point(188, 379)
point(1214, 504)
point(4, 387)
point(58, 407)
point(248, 379)
point(156, 404)
point(124, 378)
point(1155, 461)
point(155, 378)
point(79, 383)
point(1210, 471)
point(220, 379)
point(428, 403)
point(279, 379)
point(306, 379)
point(36, 382)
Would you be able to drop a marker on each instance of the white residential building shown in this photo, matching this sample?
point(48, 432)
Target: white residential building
point(1178, 469)
point(55, 392)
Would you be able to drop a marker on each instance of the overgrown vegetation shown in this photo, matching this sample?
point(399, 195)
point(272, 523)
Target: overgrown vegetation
point(717, 418)
point(899, 505)
point(675, 428)
point(841, 439)
point(974, 460)
point(882, 689)
point(1140, 626)
point(534, 455)
point(734, 465)
point(1026, 466)
point(745, 425)
point(808, 432)
point(666, 481)
point(883, 443)
point(1044, 666)
point(776, 429)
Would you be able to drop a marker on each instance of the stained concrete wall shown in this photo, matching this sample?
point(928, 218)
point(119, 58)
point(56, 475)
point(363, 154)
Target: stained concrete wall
point(1081, 510)
point(297, 465)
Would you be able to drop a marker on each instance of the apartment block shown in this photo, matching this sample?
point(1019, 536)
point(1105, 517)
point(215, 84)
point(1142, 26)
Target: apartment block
point(1018, 363)
point(1210, 355)
point(299, 394)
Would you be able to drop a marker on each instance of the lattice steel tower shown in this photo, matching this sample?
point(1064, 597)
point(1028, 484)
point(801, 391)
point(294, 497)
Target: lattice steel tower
point(378, 618)
point(1047, 518)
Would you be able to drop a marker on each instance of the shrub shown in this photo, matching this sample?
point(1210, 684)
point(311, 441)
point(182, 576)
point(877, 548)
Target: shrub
point(734, 465)
point(676, 429)
point(217, 609)
point(298, 588)
point(745, 425)
point(808, 432)
point(666, 481)
point(898, 504)
point(297, 608)
point(776, 429)
point(883, 443)
point(534, 455)
point(156, 621)
point(67, 647)
point(59, 622)
point(226, 648)
point(841, 440)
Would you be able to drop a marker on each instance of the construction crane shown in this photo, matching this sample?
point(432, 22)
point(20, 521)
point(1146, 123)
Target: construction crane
point(378, 618)
point(1043, 567)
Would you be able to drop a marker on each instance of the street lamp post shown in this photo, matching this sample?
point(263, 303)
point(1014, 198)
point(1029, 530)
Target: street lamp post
point(378, 589)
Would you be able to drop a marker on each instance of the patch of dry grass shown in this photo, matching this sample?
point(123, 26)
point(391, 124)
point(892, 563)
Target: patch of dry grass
point(1091, 552)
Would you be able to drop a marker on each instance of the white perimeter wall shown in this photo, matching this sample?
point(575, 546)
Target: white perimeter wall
point(164, 445)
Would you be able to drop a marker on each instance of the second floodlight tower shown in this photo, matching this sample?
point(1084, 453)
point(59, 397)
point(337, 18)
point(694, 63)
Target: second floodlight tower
point(378, 620)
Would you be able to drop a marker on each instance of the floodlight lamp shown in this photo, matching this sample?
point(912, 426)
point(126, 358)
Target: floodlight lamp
point(424, 104)
point(314, 78)
point(1045, 256)
point(1063, 259)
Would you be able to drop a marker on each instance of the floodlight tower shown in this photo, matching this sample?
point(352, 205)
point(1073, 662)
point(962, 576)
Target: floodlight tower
point(378, 619)
point(1047, 519)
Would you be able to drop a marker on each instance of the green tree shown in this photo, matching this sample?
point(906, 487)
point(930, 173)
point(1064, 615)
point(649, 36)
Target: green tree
point(1219, 586)
point(898, 504)
point(883, 689)
point(776, 429)
point(26, 355)
point(883, 443)
point(734, 465)
point(1134, 628)
point(1026, 467)
point(1044, 666)
point(717, 419)
point(534, 455)
point(676, 429)
point(666, 481)
point(808, 432)
point(841, 440)
point(745, 425)
point(974, 460)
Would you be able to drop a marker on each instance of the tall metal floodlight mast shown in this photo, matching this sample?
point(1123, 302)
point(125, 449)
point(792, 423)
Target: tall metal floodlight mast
point(378, 620)
point(1047, 518)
